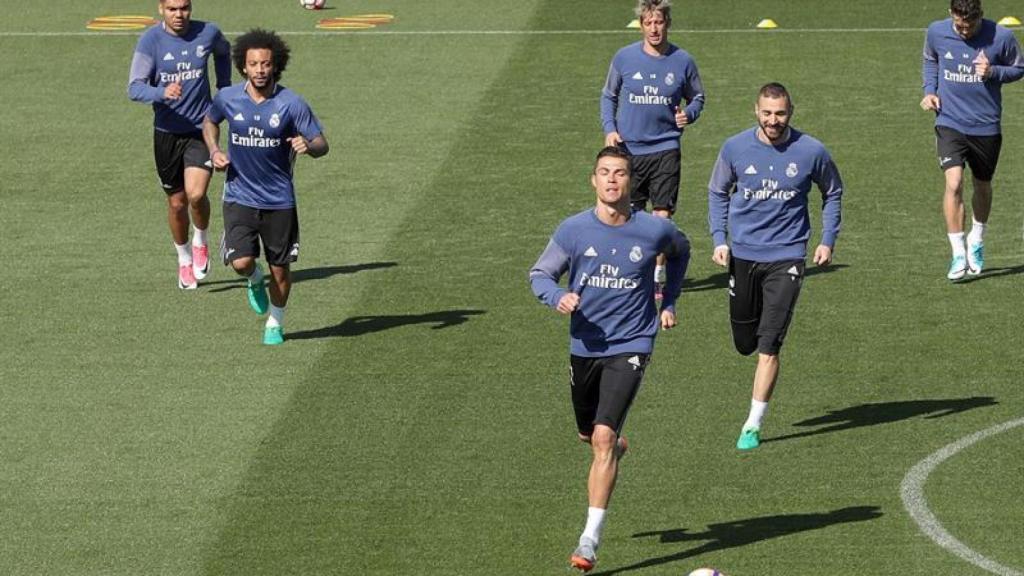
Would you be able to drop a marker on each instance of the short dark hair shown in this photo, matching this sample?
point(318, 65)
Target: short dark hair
point(967, 9)
point(259, 39)
point(613, 152)
point(775, 90)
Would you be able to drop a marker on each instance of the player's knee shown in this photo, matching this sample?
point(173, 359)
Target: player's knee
point(603, 439)
point(177, 202)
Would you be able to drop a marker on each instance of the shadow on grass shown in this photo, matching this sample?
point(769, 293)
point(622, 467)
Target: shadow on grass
point(359, 325)
point(742, 532)
point(883, 413)
point(319, 273)
point(989, 273)
point(721, 279)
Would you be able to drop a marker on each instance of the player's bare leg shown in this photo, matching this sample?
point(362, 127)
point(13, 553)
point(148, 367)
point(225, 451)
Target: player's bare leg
point(953, 210)
point(280, 288)
point(981, 206)
point(659, 270)
point(765, 377)
point(197, 180)
point(607, 448)
point(177, 220)
point(256, 287)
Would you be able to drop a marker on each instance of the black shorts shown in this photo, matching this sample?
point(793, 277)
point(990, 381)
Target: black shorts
point(175, 152)
point(245, 228)
point(603, 389)
point(654, 178)
point(762, 297)
point(981, 153)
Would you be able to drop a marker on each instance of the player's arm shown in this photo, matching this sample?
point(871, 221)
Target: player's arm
point(222, 60)
point(1013, 70)
point(310, 138)
point(315, 147)
point(141, 76)
point(610, 105)
point(677, 259)
point(720, 187)
point(826, 176)
point(211, 133)
point(693, 93)
point(544, 277)
point(930, 75)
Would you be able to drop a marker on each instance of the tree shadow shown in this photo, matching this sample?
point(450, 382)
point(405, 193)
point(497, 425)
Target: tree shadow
point(993, 273)
point(883, 413)
point(721, 279)
point(359, 325)
point(743, 532)
point(318, 273)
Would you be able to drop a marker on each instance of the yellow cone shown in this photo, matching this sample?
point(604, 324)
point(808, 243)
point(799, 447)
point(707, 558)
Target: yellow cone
point(767, 24)
point(633, 24)
point(1009, 21)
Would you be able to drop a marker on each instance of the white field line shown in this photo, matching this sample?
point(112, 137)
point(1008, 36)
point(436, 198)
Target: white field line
point(912, 493)
point(44, 34)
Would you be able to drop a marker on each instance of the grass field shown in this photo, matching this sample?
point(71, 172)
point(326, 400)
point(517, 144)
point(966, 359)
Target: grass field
point(418, 421)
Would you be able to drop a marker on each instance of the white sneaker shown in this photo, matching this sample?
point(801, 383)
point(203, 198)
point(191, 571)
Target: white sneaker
point(957, 268)
point(975, 257)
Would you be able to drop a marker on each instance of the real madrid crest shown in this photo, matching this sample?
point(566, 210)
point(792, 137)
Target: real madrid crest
point(275, 120)
point(200, 51)
point(792, 170)
point(670, 79)
point(635, 255)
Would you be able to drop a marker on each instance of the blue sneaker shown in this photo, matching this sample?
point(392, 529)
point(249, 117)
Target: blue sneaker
point(749, 439)
point(975, 258)
point(273, 335)
point(957, 268)
point(258, 300)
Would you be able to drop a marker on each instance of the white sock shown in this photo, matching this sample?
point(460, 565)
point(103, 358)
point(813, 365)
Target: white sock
point(198, 237)
point(977, 235)
point(757, 410)
point(184, 254)
point(276, 317)
point(595, 522)
point(659, 273)
point(956, 242)
point(257, 275)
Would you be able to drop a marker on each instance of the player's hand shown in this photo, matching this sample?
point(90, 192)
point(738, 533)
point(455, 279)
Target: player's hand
point(931, 102)
point(823, 255)
point(721, 255)
point(612, 139)
point(982, 67)
point(220, 160)
point(172, 91)
point(668, 319)
point(299, 144)
point(568, 303)
point(681, 118)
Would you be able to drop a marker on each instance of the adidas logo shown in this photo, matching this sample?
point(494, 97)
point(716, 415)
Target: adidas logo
point(948, 56)
point(944, 160)
point(793, 271)
point(635, 362)
point(638, 76)
point(750, 170)
point(590, 252)
point(239, 117)
point(168, 56)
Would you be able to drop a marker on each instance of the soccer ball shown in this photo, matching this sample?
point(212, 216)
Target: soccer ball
point(312, 4)
point(706, 572)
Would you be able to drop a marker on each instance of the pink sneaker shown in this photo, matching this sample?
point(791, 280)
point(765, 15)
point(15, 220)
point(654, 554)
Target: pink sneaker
point(186, 279)
point(200, 261)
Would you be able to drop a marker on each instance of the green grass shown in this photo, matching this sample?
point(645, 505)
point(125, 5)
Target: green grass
point(418, 422)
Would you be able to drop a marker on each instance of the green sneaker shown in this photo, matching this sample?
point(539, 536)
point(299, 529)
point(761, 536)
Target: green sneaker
point(258, 300)
point(749, 439)
point(273, 335)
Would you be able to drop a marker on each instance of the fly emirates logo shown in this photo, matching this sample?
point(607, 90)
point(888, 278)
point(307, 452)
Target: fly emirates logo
point(769, 190)
point(183, 71)
point(964, 74)
point(255, 139)
point(608, 277)
point(650, 96)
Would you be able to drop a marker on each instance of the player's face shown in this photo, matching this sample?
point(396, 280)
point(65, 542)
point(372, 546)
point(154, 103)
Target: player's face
point(655, 28)
point(773, 116)
point(611, 180)
point(965, 28)
point(177, 14)
point(259, 67)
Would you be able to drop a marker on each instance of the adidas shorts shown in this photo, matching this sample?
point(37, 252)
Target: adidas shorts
point(603, 389)
point(245, 228)
point(655, 178)
point(176, 152)
point(762, 297)
point(981, 153)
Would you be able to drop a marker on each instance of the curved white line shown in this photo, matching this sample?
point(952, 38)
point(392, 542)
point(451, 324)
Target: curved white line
point(912, 493)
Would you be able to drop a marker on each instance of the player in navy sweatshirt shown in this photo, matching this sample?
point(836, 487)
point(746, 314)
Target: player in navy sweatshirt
point(966, 61)
point(652, 93)
point(609, 252)
point(758, 199)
